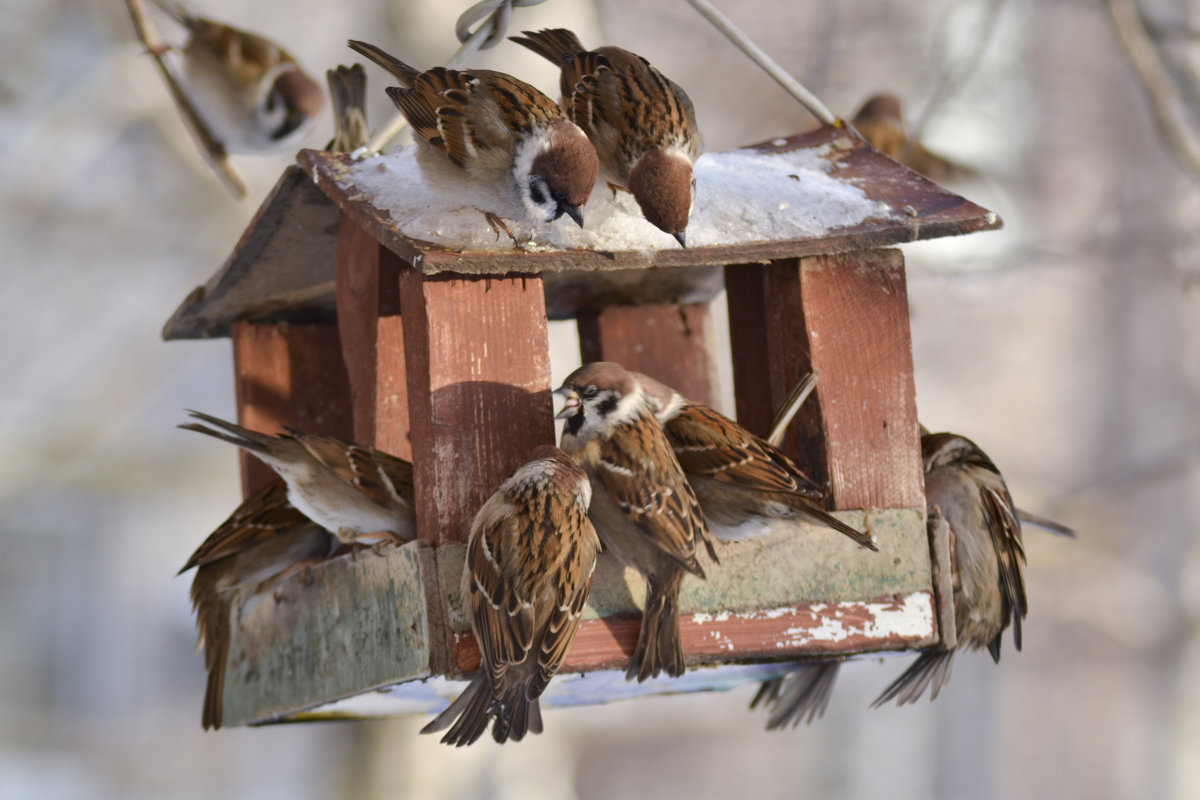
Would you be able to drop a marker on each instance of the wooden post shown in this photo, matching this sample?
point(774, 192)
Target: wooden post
point(672, 343)
point(845, 315)
point(372, 334)
point(288, 376)
point(478, 359)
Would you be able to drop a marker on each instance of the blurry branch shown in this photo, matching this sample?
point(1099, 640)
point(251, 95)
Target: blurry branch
point(212, 150)
point(1170, 107)
point(954, 76)
point(764, 61)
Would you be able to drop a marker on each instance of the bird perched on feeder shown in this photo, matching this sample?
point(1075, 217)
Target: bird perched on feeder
point(249, 553)
point(493, 139)
point(746, 486)
point(348, 94)
point(643, 125)
point(530, 559)
point(249, 91)
point(361, 494)
point(966, 493)
point(881, 123)
point(643, 508)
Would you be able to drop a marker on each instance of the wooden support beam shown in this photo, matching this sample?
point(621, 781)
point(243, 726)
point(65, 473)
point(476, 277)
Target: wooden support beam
point(672, 343)
point(845, 315)
point(372, 335)
point(478, 363)
point(288, 376)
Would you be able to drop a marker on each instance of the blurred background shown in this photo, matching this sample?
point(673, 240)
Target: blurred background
point(1066, 345)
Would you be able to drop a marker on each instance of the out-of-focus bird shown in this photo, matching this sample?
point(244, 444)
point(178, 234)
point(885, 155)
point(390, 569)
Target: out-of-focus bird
point(361, 494)
point(495, 140)
point(881, 123)
point(643, 125)
point(249, 91)
point(746, 486)
point(261, 542)
point(643, 508)
point(348, 94)
point(530, 559)
point(966, 493)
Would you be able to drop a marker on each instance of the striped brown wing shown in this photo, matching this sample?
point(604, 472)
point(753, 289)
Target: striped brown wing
point(383, 478)
point(640, 473)
point(709, 444)
point(264, 515)
point(1000, 516)
point(651, 107)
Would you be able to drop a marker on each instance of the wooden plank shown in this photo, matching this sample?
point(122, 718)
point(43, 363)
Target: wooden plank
point(922, 210)
point(845, 315)
point(288, 376)
point(372, 336)
point(807, 631)
point(478, 364)
point(672, 343)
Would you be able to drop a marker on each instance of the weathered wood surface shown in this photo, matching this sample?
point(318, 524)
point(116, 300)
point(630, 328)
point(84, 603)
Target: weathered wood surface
point(289, 376)
point(929, 212)
point(281, 269)
point(478, 363)
point(372, 334)
point(673, 343)
point(846, 316)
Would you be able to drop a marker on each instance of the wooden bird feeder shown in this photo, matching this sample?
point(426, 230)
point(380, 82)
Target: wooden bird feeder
point(345, 323)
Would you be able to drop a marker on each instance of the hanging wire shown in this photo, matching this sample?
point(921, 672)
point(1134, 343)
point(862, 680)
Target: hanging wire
point(781, 76)
point(490, 18)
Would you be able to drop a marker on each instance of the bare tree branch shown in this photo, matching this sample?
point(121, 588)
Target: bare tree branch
point(212, 150)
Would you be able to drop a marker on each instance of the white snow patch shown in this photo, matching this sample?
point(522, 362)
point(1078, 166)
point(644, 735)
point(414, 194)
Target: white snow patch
point(741, 196)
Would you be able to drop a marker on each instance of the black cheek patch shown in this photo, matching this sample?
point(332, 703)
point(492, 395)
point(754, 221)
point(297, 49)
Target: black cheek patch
point(574, 423)
point(608, 405)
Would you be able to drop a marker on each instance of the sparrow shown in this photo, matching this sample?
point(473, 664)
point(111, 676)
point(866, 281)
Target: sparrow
point(642, 505)
point(530, 559)
point(348, 93)
point(259, 544)
point(361, 494)
point(642, 124)
point(881, 123)
point(494, 139)
point(965, 492)
point(250, 92)
point(745, 485)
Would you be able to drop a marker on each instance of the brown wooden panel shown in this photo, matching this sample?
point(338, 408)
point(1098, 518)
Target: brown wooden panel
point(809, 630)
point(372, 333)
point(672, 343)
point(288, 376)
point(845, 315)
point(479, 390)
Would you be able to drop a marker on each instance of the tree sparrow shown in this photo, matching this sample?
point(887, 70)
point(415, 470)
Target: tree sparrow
point(881, 123)
point(530, 559)
point(494, 139)
point(348, 94)
point(261, 542)
point(746, 486)
point(965, 492)
point(643, 508)
point(251, 93)
point(361, 494)
point(643, 125)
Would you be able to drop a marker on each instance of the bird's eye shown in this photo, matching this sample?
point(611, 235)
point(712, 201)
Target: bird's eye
point(589, 392)
point(272, 99)
point(537, 191)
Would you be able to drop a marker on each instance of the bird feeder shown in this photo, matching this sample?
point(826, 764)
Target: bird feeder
point(351, 316)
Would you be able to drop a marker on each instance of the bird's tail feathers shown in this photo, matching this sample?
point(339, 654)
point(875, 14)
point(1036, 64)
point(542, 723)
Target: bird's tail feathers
point(930, 670)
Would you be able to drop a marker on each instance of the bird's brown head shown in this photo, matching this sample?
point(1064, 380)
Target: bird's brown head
point(942, 449)
point(597, 397)
point(297, 98)
point(664, 187)
point(563, 174)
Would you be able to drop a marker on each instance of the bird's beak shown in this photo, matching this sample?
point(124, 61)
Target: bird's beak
point(572, 212)
point(571, 402)
point(679, 237)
